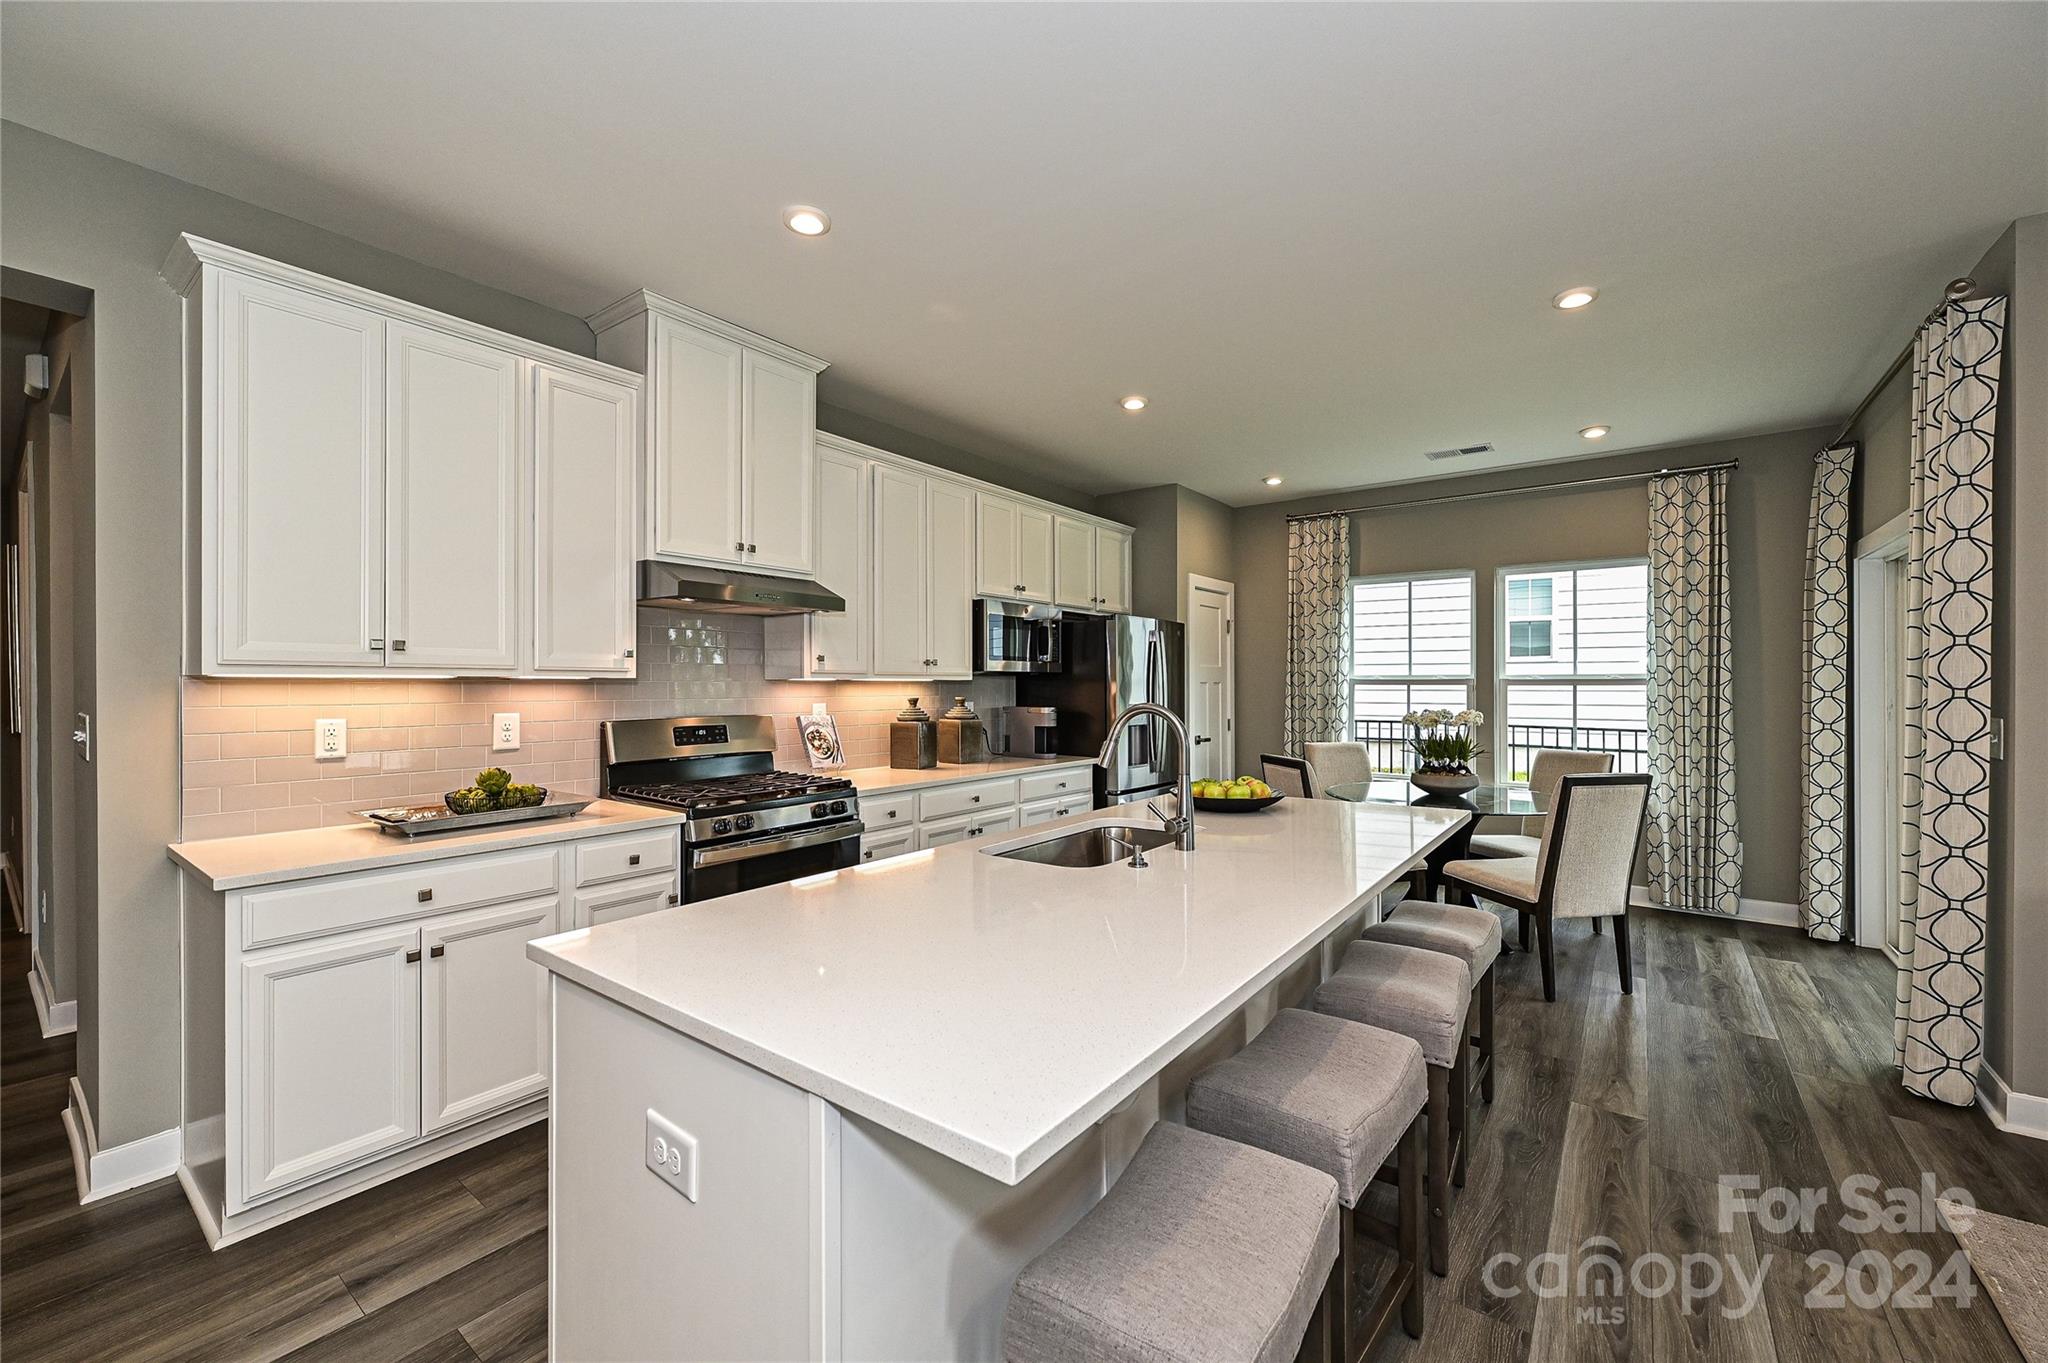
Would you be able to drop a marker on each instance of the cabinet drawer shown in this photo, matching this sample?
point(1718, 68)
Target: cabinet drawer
point(628, 900)
point(633, 854)
point(384, 896)
point(880, 845)
point(883, 812)
point(1037, 812)
point(1041, 785)
point(967, 798)
point(966, 828)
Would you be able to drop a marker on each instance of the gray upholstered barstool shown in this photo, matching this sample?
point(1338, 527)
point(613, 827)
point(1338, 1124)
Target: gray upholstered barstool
point(1473, 936)
point(1341, 1097)
point(1424, 995)
point(1203, 1249)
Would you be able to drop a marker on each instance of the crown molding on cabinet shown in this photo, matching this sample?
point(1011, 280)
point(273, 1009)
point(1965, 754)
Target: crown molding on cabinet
point(181, 271)
point(646, 300)
point(882, 456)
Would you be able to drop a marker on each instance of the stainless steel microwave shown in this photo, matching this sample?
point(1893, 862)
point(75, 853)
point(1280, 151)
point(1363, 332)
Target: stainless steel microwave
point(1012, 637)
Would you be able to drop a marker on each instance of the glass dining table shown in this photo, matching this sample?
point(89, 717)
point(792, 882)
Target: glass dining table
point(1482, 801)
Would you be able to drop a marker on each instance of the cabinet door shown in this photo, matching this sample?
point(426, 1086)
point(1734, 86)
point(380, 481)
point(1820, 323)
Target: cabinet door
point(1113, 570)
point(902, 587)
point(880, 846)
point(966, 828)
point(1034, 553)
point(995, 547)
point(484, 1010)
point(840, 642)
point(330, 1047)
point(949, 563)
point(583, 585)
point(780, 443)
point(293, 528)
point(1073, 563)
point(451, 511)
point(1037, 812)
point(696, 383)
point(630, 900)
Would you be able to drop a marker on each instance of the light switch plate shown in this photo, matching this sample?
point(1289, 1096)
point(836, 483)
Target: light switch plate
point(672, 1153)
point(504, 732)
point(330, 739)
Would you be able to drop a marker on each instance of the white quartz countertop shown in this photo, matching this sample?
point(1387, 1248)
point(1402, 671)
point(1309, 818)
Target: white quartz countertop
point(878, 779)
point(270, 858)
point(993, 1009)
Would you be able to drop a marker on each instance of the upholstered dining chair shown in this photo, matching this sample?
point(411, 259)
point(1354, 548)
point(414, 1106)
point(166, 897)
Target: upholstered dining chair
point(1338, 763)
point(1584, 866)
point(1288, 776)
point(1550, 766)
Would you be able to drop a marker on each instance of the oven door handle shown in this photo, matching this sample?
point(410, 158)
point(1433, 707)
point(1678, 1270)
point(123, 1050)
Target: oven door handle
point(768, 847)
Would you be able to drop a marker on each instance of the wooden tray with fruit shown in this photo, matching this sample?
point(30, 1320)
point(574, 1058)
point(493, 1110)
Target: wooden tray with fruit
point(1242, 796)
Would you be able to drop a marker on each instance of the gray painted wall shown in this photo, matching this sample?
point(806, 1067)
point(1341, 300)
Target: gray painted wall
point(1177, 531)
point(1767, 532)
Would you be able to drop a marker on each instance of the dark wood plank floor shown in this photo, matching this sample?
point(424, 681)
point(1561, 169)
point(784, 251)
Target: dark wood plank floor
point(1743, 1051)
point(447, 1265)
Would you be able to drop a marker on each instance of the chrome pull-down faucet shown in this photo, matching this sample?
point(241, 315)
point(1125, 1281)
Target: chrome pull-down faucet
point(1182, 824)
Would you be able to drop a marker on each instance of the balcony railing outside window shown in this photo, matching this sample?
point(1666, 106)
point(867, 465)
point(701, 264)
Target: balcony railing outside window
point(1386, 744)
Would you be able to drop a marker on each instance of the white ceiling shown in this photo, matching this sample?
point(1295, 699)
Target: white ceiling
point(1322, 239)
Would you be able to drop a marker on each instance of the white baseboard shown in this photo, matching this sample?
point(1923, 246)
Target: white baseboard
point(2023, 1114)
point(104, 1173)
point(56, 1018)
point(1766, 911)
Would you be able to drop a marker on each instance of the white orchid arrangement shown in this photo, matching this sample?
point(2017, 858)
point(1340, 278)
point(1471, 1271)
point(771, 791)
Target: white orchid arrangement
point(1443, 739)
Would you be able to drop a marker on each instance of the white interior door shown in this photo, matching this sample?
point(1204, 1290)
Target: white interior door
point(1878, 650)
point(1211, 614)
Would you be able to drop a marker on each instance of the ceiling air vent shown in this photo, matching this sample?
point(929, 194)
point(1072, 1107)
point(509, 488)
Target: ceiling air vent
point(1460, 452)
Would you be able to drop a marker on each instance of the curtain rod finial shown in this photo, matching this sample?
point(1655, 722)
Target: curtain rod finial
point(1961, 287)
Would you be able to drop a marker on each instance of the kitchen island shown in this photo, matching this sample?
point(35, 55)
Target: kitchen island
point(875, 1094)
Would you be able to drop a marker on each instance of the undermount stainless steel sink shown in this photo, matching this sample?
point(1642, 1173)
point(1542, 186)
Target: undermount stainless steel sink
point(1098, 845)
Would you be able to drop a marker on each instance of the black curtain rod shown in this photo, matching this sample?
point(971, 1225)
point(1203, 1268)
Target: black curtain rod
point(1520, 491)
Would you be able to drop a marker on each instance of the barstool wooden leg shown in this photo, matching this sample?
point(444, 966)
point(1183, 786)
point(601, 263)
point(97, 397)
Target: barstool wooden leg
point(1461, 1109)
point(1527, 930)
point(1628, 971)
point(1596, 927)
point(1439, 1170)
point(1544, 945)
point(1411, 1217)
point(1486, 1034)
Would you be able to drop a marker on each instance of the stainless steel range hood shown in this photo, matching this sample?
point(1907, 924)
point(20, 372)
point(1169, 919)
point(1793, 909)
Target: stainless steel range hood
point(726, 591)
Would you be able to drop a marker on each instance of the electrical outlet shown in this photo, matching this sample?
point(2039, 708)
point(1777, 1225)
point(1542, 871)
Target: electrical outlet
point(330, 739)
point(672, 1153)
point(504, 732)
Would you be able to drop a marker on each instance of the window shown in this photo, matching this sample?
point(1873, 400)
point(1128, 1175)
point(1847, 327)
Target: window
point(1411, 649)
point(1574, 669)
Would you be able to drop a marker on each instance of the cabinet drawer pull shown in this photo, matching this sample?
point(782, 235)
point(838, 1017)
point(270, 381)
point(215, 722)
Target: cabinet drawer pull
point(377, 644)
point(412, 957)
point(739, 546)
point(868, 855)
point(633, 860)
point(398, 645)
point(752, 550)
point(892, 813)
point(674, 898)
point(437, 951)
point(629, 653)
point(821, 660)
point(426, 896)
point(975, 798)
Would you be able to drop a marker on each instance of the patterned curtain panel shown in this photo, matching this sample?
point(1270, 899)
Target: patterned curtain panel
point(1318, 639)
point(1824, 712)
point(1945, 841)
point(1695, 849)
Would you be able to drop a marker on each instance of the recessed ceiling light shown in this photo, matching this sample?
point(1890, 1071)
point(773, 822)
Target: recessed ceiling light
point(1593, 432)
point(1273, 480)
point(806, 221)
point(1571, 300)
point(1133, 403)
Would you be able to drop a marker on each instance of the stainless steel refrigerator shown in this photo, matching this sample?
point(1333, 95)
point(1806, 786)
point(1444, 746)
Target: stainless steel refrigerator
point(1112, 663)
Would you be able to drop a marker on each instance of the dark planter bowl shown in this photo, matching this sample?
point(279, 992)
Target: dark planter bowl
point(1215, 806)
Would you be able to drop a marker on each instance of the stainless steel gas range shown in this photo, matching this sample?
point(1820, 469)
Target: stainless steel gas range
point(750, 824)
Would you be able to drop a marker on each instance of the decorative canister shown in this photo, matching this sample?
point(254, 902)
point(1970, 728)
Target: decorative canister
point(913, 739)
point(962, 735)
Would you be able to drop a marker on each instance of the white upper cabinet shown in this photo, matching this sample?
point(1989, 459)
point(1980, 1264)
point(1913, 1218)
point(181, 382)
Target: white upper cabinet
point(949, 576)
point(697, 491)
point(841, 643)
point(1014, 550)
point(781, 428)
point(371, 483)
point(731, 421)
point(583, 582)
point(902, 586)
point(1073, 563)
point(1113, 569)
point(451, 523)
point(290, 492)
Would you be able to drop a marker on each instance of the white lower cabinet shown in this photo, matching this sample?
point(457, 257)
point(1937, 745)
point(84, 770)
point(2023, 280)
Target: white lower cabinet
point(339, 1031)
point(881, 844)
point(330, 1037)
point(484, 1012)
point(1059, 807)
point(966, 827)
point(612, 902)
